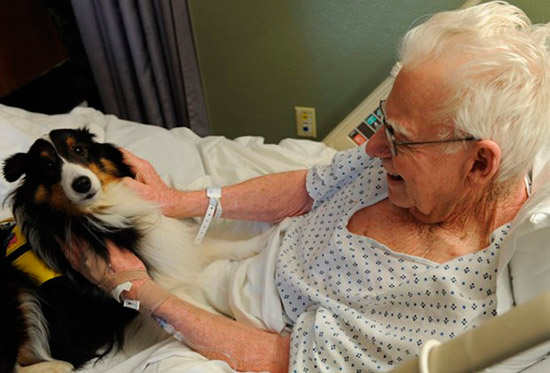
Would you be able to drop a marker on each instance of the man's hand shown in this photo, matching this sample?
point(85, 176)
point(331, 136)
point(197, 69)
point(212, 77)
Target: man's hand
point(96, 270)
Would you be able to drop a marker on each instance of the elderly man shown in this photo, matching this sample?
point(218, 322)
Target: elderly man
point(394, 243)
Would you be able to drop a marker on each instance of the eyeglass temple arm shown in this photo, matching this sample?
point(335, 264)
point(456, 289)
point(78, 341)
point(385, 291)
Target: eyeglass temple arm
point(435, 141)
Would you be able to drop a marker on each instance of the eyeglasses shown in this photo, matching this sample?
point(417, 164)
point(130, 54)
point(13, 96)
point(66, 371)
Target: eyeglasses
point(391, 138)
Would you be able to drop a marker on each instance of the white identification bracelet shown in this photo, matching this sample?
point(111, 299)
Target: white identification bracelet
point(214, 209)
point(125, 286)
point(129, 303)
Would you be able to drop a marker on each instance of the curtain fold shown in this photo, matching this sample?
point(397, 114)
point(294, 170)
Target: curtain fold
point(143, 59)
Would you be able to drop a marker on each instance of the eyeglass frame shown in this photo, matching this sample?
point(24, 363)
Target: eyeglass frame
point(391, 138)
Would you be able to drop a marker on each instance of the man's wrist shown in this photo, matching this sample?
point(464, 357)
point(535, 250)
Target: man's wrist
point(145, 296)
point(133, 291)
point(175, 203)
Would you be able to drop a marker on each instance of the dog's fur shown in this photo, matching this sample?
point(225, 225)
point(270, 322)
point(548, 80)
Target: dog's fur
point(72, 188)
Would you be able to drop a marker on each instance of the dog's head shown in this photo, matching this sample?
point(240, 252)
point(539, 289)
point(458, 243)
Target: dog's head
point(65, 170)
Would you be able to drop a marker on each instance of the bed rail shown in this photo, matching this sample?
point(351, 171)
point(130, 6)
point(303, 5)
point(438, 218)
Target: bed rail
point(518, 330)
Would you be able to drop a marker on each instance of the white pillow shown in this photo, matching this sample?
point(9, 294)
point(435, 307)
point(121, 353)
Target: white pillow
point(524, 260)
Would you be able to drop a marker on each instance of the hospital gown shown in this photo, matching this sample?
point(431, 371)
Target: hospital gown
point(358, 306)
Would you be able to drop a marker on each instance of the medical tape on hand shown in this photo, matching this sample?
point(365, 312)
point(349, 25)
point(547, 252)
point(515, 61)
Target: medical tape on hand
point(151, 296)
point(122, 281)
point(214, 209)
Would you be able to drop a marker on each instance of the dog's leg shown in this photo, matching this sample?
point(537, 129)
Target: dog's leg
point(35, 348)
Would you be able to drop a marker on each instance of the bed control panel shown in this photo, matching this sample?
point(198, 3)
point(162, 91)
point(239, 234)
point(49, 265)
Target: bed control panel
point(367, 128)
point(359, 125)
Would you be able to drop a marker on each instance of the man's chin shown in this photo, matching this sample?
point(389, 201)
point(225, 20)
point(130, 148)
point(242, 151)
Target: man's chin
point(399, 200)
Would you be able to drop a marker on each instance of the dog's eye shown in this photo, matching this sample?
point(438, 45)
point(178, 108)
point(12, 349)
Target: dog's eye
point(48, 164)
point(78, 150)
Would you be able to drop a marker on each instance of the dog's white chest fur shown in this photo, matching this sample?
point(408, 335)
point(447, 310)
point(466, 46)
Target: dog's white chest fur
point(166, 244)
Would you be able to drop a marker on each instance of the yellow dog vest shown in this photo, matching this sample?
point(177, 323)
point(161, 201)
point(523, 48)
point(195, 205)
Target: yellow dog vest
point(20, 254)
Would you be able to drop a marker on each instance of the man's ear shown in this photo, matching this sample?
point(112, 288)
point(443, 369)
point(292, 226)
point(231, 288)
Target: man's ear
point(485, 161)
point(15, 166)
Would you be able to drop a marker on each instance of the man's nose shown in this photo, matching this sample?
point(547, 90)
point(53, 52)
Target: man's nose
point(378, 146)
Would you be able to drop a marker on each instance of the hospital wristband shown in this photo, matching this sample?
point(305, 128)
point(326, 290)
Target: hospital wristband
point(214, 209)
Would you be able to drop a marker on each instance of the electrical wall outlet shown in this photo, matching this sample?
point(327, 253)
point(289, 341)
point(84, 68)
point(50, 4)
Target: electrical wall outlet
point(305, 121)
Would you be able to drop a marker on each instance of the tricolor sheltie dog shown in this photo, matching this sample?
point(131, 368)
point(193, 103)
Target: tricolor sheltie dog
point(71, 187)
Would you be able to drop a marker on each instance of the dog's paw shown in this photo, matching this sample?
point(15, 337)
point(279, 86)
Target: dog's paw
point(55, 366)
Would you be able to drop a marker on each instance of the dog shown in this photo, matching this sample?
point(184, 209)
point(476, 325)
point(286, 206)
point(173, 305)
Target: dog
point(70, 189)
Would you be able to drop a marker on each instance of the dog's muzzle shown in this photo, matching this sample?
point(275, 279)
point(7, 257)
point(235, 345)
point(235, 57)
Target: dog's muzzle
point(81, 185)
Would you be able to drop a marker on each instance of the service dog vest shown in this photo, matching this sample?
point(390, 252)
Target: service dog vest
point(19, 253)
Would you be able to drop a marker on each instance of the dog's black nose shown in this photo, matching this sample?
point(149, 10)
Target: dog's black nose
point(82, 184)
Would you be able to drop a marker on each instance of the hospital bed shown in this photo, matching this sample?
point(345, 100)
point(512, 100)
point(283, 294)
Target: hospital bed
point(188, 161)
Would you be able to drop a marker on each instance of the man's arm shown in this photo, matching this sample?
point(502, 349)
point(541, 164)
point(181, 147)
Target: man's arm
point(268, 198)
point(243, 347)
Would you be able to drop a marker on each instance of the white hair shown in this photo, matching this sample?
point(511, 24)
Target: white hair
point(501, 92)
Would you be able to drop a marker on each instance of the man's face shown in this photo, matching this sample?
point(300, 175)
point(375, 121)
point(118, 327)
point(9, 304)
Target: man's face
point(424, 179)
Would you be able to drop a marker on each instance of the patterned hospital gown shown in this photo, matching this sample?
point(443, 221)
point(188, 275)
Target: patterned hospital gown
point(358, 306)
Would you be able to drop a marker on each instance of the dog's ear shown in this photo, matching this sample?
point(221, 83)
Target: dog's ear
point(112, 153)
point(15, 166)
point(85, 132)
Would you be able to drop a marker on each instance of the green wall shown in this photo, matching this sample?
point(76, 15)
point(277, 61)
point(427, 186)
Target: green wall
point(537, 10)
point(260, 58)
